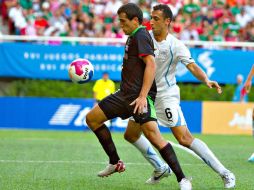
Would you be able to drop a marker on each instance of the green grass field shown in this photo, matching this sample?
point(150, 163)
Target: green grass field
point(35, 160)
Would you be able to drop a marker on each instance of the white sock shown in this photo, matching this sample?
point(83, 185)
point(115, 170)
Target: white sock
point(145, 147)
point(201, 149)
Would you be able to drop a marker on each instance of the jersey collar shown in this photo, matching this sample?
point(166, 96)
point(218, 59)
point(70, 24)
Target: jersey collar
point(134, 31)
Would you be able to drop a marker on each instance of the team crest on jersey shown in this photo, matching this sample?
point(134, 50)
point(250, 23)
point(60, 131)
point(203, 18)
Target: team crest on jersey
point(163, 54)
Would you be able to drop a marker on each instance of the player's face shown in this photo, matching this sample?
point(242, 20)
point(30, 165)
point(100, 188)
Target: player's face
point(128, 26)
point(159, 24)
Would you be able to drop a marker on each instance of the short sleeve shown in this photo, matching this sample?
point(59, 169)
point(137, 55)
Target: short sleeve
point(144, 44)
point(183, 54)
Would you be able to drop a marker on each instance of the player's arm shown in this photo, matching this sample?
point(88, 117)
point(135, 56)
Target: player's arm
point(247, 84)
point(184, 56)
point(201, 75)
point(149, 75)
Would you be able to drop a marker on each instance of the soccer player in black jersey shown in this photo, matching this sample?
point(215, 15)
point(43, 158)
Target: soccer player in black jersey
point(135, 97)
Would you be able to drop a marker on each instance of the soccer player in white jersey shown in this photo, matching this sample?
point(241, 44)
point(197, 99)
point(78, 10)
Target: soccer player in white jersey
point(169, 51)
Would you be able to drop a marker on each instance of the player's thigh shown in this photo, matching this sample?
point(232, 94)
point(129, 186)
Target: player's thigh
point(133, 131)
point(148, 115)
point(95, 118)
point(183, 135)
point(152, 133)
point(170, 114)
point(114, 106)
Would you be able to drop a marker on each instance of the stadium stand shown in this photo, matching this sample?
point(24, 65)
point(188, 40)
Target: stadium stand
point(205, 20)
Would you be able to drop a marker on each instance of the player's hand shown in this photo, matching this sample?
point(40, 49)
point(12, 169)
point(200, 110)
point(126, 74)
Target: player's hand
point(214, 84)
point(140, 105)
point(247, 86)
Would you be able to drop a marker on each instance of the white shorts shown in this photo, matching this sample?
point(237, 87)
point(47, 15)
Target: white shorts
point(168, 110)
point(169, 114)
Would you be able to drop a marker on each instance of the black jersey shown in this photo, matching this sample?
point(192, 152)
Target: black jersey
point(138, 44)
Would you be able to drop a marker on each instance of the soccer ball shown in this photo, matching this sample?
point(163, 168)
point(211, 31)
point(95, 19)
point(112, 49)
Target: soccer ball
point(81, 71)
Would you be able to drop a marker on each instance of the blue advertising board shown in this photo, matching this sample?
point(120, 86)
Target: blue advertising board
point(69, 114)
point(51, 61)
point(220, 65)
point(192, 111)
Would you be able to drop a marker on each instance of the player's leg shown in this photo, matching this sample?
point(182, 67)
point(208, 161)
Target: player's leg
point(149, 126)
point(152, 133)
point(95, 120)
point(133, 134)
point(170, 115)
point(185, 138)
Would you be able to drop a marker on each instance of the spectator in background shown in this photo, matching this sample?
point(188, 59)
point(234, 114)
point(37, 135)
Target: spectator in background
point(40, 23)
point(111, 7)
point(243, 18)
point(47, 14)
point(17, 17)
point(247, 87)
point(191, 7)
point(249, 8)
point(30, 28)
point(194, 20)
point(57, 24)
point(239, 95)
point(103, 87)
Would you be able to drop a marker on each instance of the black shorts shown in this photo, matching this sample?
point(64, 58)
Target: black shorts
point(117, 105)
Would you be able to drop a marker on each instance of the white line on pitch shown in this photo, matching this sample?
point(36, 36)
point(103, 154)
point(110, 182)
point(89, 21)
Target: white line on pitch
point(73, 162)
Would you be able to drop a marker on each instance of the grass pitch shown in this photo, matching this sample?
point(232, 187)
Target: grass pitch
point(53, 160)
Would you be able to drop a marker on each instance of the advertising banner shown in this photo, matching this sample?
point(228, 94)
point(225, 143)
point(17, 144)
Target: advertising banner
point(227, 118)
point(42, 61)
point(69, 114)
point(52, 61)
point(220, 65)
point(192, 111)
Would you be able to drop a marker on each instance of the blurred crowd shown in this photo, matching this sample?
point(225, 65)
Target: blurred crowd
point(205, 20)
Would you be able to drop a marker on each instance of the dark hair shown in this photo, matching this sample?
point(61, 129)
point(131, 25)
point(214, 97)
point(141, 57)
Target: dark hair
point(131, 10)
point(167, 13)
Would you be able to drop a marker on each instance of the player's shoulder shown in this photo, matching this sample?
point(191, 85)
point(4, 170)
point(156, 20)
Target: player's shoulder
point(142, 32)
point(173, 40)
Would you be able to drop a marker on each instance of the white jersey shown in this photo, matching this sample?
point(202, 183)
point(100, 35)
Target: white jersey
point(168, 53)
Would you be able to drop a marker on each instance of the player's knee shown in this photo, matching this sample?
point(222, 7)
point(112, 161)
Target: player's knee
point(88, 120)
point(127, 137)
point(130, 137)
point(92, 124)
point(185, 140)
point(156, 140)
